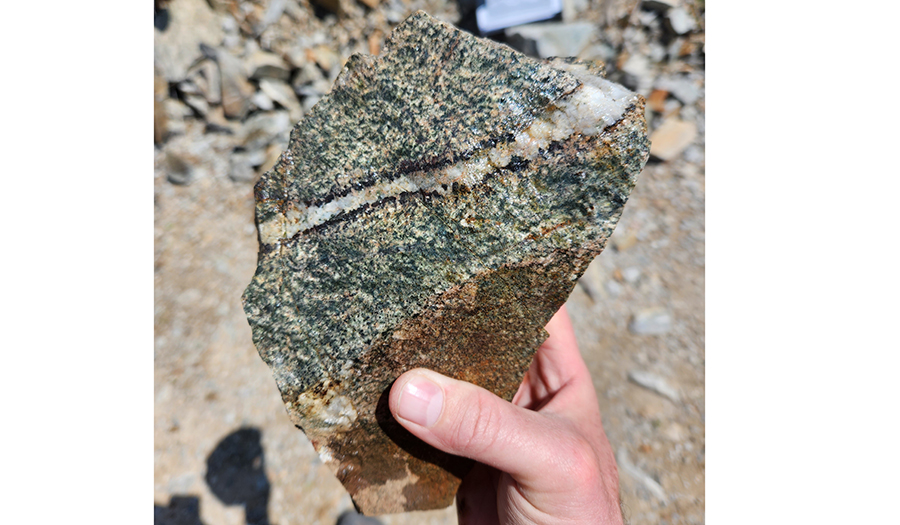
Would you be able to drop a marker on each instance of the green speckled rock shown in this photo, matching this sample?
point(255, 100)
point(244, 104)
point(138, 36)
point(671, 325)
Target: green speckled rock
point(434, 210)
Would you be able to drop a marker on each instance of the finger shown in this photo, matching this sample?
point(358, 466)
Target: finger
point(556, 364)
point(463, 419)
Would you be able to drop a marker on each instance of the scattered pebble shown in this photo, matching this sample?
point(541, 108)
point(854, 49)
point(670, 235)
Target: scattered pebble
point(655, 383)
point(681, 21)
point(681, 87)
point(652, 486)
point(262, 128)
point(651, 321)
point(179, 169)
point(631, 274)
point(283, 94)
point(236, 90)
point(263, 64)
point(553, 39)
point(671, 138)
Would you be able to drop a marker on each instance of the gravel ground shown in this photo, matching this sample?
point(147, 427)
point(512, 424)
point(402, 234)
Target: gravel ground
point(638, 311)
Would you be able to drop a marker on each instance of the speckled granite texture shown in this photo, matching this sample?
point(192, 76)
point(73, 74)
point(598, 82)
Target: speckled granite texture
point(434, 210)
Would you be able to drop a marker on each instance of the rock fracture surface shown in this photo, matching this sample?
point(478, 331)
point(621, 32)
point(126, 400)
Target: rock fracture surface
point(433, 210)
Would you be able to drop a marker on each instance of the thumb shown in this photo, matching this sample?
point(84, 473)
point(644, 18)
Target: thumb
point(466, 420)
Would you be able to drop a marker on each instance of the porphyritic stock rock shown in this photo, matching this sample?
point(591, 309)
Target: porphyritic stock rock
point(434, 210)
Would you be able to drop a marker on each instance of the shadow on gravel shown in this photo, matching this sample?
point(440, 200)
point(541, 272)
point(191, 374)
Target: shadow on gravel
point(235, 472)
point(182, 510)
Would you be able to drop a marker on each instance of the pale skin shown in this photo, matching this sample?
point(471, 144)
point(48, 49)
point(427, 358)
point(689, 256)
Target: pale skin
point(542, 459)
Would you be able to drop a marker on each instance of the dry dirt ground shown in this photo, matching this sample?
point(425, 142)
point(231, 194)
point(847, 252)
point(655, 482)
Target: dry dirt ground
point(210, 383)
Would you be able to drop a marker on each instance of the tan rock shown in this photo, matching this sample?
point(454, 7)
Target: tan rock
point(670, 139)
point(236, 90)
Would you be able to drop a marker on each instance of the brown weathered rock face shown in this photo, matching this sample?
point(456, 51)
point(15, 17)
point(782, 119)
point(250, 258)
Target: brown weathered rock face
point(434, 210)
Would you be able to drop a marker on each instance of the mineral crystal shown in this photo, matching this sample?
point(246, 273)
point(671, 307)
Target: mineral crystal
point(433, 210)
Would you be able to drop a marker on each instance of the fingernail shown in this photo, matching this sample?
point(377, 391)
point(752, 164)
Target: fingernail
point(421, 402)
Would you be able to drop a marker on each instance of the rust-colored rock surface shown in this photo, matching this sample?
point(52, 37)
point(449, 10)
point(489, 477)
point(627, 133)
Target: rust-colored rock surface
point(434, 210)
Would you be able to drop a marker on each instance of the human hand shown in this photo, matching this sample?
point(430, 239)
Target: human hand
point(544, 458)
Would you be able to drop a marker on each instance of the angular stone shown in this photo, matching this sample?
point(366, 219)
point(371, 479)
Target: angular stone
point(262, 64)
point(434, 209)
point(551, 39)
point(672, 137)
point(236, 90)
point(283, 94)
point(652, 321)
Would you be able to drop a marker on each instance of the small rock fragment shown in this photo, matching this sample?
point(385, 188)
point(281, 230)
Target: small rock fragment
point(236, 90)
point(631, 274)
point(655, 383)
point(243, 164)
point(325, 57)
point(652, 486)
point(262, 101)
point(652, 321)
point(179, 169)
point(262, 128)
point(551, 39)
point(683, 88)
point(263, 64)
point(671, 138)
point(175, 111)
point(205, 76)
point(681, 21)
point(197, 103)
point(274, 10)
point(283, 94)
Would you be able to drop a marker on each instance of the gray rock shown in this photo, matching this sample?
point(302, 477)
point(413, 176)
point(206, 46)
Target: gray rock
point(652, 486)
point(659, 5)
point(283, 94)
point(309, 102)
point(205, 76)
point(681, 21)
point(262, 64)
point(175, 111)
point(553, 39)
point(243, 164)
point(179, 169)
point(262, 101)
point(316, 89)
point(681, 87)
point(197, 103)
point(308, 74)
point(638, 67)
point(191, 23)
point(654, 383)
point(262, 128)
point(236, 90)
point(273, 12)
point(602, 52)
point(613, 288)
point(652, 321)
point(631, 274)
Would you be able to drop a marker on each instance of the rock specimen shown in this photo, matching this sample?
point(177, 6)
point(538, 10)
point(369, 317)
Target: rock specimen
point(434, 210)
